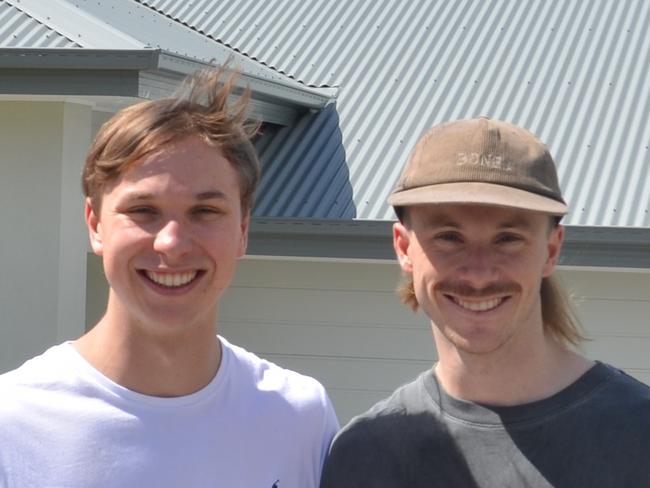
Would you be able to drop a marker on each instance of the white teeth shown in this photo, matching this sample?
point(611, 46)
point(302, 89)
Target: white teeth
point(478, 306)
point(171, 279)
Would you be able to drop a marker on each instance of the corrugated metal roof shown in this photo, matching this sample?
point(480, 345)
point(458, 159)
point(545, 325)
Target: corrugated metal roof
point(18, 29)
point(573, 72)
point(154, 29)
point(124, 24)
point(73, 22)
point(292, 184)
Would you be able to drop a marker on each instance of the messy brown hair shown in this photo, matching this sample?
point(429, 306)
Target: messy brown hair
point(200, 108)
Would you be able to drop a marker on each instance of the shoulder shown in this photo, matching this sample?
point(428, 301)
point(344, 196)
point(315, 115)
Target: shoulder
point(390, 420)
point(50, 367)
point(295, 403)
point(409, 399)
point(374, 448)
point(624, 392)
point(35, 382)
point(266, 380)
point(613, 400)
point(620, 383)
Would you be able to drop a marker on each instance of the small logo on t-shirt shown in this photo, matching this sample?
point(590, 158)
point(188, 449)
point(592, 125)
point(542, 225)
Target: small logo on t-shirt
point(276, 484)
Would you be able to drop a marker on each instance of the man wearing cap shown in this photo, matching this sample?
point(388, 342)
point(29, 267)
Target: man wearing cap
point(509, 402)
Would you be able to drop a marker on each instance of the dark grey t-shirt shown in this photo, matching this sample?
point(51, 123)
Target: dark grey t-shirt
point(595, 433)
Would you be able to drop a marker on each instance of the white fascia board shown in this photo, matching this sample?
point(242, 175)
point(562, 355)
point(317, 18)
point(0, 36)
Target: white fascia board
point(279, 88)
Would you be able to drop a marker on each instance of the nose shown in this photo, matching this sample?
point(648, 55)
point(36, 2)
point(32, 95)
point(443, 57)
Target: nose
point(172, 240)
point(478, 268)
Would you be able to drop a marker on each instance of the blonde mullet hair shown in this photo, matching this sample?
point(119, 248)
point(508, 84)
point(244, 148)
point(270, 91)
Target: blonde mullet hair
point(559, 316)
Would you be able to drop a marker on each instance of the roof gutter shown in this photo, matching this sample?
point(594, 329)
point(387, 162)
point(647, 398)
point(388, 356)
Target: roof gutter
point(603, 247)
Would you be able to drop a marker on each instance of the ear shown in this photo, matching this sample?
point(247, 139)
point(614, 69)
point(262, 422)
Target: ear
point(553, 248)
point(243, 240)
point(401, 244)
point(94, 228)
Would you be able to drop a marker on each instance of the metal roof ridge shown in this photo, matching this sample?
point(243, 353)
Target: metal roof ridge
point(75, 23)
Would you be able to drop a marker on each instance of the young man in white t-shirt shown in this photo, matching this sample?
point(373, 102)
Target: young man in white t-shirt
point(151, 396)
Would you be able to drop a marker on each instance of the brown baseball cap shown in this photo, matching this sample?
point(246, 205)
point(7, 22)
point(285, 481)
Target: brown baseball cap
point(480, 161)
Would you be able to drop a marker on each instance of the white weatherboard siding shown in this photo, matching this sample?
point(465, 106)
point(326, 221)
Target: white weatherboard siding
point(615, 311)
point(341, 322)
point(42, 283)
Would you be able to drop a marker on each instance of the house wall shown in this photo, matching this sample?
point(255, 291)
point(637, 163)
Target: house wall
point(42, 244)
point(341, 322)
point(97, 287)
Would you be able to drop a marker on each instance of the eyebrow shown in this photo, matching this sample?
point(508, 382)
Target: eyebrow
point(516, 223)
point(212, 194)
point(442, 221)
point(447, 221)
point(204, 195)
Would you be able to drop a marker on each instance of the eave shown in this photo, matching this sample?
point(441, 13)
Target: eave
point(140, 74)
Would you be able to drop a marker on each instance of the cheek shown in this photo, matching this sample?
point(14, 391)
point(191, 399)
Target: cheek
point(115, 255)
point(125, 243)
point(433, 266)
point(425, 277)
point(527, 271)
point(220, 240)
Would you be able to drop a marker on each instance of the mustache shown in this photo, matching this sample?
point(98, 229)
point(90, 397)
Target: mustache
point(466, 290)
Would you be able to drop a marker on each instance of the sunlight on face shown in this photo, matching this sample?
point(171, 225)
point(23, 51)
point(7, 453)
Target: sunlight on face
point(477, 270)
point(170, 232)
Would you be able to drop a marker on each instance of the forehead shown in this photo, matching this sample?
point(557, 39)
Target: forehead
point(465, 215)
point(189, 163)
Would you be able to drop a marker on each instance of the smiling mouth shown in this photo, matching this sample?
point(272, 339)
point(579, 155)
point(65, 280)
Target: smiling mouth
point(171, 280)
point(478, 306)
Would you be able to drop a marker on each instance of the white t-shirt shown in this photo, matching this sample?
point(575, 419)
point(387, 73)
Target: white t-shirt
point(256, 425)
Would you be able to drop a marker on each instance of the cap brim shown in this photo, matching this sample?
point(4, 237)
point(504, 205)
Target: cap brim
point(478, 193)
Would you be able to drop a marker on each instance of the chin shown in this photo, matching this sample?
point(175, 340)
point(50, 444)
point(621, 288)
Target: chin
point(478, 343)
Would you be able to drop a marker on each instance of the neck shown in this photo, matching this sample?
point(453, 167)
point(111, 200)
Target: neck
point(164, 365)
point(511, 376)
